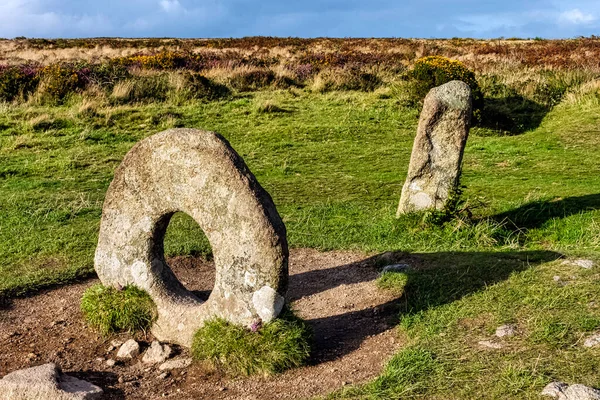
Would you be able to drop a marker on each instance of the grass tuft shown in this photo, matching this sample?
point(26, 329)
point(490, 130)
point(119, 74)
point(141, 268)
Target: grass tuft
point(110, 310)
point(392, 281)
point(276, 347)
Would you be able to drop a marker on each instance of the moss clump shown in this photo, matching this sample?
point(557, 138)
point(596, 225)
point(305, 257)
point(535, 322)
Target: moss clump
point(111, 310)
point(279, 345)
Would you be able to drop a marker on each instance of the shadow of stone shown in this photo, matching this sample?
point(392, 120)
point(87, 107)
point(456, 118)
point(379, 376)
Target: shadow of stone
point(434, 279)
point(5, 303)
point(534, 214)
point(512, 115)
point(105, 380)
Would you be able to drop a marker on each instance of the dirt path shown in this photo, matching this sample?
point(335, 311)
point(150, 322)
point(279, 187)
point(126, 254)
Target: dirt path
point(333, 291)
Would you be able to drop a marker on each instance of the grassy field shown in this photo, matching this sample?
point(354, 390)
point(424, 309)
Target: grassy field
point(334, 162)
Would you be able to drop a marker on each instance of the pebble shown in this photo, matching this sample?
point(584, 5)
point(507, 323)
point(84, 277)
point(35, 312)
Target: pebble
point(164, 375)
point(129, 349)
point(110, 362)
point(506, 330)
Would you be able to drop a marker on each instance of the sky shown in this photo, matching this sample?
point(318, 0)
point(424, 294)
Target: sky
point(304, 18)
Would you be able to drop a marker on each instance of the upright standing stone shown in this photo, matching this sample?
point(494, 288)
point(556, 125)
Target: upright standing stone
point(435, 163)
point(196, 172)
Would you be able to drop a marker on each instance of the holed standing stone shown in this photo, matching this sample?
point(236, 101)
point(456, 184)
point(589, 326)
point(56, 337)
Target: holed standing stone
point(198, 173)
point(435, 163)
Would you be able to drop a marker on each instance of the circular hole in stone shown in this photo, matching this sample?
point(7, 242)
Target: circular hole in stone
point(188, 253)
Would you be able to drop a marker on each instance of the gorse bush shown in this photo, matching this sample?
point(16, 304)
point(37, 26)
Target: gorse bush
point(110, 310)
point(433, 71)
point(57, 81)
point(279, 345)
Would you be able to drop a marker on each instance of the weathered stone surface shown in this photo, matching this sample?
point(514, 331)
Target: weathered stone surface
point(581, 392)
point(554, 389)
point(506, 330)
point(157, 353)
point(395, 268)
point(46, 382)
point(562, 391)
point(592, 341)
point(177, 363)
point(583, 263)
point(198, 173)
point(435, 163)
point(129, 349)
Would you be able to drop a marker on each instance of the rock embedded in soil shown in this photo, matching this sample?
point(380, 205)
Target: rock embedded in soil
point(395, 268)
point(562, 391)
point(157, 353)
point(129, 349)
point(506, 330)
point(198, 173)
point(592, 341)
point(178, 363)
point(587, 264)
point(46, 382)
point(435, 163)
point(554, 389)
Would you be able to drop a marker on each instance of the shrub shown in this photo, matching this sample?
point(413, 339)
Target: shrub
point(279, 345)
point(253, 79)
point(351, 78)
point(60, 80)
point(17, 81)
point(201, 87)
point(142, 88)
point(433, 71)
point(110, 310)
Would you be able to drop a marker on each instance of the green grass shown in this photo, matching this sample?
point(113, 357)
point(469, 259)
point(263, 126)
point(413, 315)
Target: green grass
point(279, 345)
point(456, 300)
point(334, 164)
point(111, 311)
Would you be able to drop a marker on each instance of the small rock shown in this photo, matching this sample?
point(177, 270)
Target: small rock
point(554, 389)
point(129, 349)
point(581, 392)
point(164, 375)
point(113, 345)
point(120, 380)
point(157, 353)
point(491, 345)
point(506, 330)
point(110, 362)
point(177, 363)
point(395, 268)
point(556, 278)
point(587, 264)
point(46, 382)
point(592, 341)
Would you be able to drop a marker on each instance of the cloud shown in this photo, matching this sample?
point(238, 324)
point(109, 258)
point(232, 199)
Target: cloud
point(575, 17)
point(170, 6)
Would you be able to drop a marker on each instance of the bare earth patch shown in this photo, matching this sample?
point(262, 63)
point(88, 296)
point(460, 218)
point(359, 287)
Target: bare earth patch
point(334, 291)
